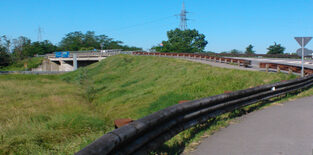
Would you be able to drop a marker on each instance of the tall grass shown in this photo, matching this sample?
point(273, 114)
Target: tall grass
point(44, 115)
point(53, 114)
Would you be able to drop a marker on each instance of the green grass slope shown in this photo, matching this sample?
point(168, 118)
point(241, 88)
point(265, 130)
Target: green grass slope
point(129, 86)
point(44, 114)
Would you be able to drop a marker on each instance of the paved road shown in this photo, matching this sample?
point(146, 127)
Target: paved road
point(224, 65)
point(285, 129)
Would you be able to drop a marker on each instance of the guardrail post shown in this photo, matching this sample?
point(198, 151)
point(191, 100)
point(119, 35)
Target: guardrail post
point(289, 70)
point(238, 63)
point(278, 69)
point(266, 66)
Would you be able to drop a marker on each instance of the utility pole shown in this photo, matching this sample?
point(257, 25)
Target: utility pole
point(183, 18)
point(39, 34)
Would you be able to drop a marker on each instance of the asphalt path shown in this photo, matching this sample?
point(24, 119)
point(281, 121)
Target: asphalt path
point(284, 129)
point(225, 65)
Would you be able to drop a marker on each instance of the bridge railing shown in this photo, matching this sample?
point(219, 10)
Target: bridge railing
point(92, 54)
point(148, 133)
point(239, 62)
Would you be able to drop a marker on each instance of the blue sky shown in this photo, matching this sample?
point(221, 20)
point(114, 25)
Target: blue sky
point(227, 24)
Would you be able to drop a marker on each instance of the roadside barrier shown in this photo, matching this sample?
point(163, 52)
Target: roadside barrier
point(288, 68)
point(148, 133)
point(239, 62)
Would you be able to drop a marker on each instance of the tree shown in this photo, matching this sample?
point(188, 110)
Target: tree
point(5, 57)
point(210, 52)
point(40, 48)
point(234, 51)
point(187, 41)
point(72, 41)
point(75, 41)
point(249, 50)
point(275, 49)
point(21, 47)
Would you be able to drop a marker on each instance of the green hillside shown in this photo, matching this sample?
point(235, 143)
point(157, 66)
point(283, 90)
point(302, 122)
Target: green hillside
point(49, 114)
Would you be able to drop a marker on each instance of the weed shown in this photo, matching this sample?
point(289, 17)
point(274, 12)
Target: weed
point(52, 114)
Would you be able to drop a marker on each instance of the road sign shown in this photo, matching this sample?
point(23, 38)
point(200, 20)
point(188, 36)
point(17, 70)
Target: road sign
point(62, 54)
point(303, 41)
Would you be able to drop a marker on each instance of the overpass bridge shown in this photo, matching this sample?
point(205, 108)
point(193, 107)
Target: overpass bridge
point(74, 60)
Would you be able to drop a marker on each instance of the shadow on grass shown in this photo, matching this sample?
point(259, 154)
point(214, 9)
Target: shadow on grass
point(213, 125)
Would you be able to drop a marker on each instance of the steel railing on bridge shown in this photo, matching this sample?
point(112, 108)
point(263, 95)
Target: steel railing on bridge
point(91, 54)
point(239, 62)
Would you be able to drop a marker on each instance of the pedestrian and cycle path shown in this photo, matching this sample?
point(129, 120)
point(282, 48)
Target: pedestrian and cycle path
point(283, 129)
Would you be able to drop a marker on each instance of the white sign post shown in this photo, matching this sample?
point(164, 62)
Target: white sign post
point(302, 42)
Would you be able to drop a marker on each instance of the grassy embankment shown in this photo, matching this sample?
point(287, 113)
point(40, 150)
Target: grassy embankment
point(19, 66)
point(64, 113)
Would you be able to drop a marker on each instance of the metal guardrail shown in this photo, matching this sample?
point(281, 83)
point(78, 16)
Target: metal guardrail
point(256, 55)
point(148, 133)
point(243, 62)
point(92, 54)
point(284, 67)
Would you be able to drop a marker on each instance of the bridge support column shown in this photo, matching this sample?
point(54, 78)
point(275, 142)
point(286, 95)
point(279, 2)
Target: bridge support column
point(74, 61)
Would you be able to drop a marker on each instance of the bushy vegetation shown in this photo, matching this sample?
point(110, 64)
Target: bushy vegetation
point(276, 49)
point(19, 65)
point(62, 114)
point(249, 50)
point(78, 41)
point(12, 51)
point(182, 41)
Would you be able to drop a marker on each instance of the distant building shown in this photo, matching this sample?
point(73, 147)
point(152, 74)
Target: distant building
point(307, 52)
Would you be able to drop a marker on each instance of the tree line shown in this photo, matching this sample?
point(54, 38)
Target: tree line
point(191, 41)
point(272, 49)
point(179, 41)
point(13, 50)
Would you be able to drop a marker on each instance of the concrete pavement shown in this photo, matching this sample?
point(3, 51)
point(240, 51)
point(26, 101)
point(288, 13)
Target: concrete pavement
point(225, 65)
point(285, 129)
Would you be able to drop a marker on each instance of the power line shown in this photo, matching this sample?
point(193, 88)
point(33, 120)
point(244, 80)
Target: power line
point(144, 23)
point(183, 18)
point(39, 34)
